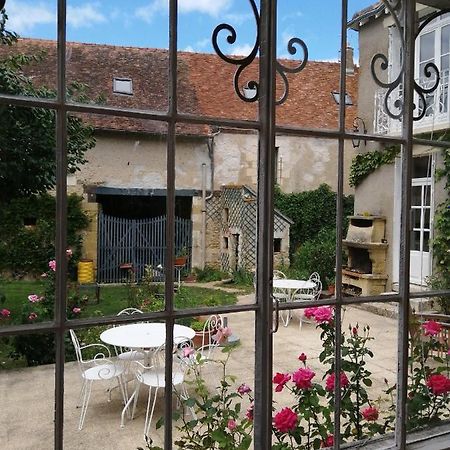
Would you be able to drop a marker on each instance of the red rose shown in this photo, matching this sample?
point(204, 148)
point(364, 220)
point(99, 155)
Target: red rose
point(302, 357)
point(330, 381)
point(324, 314)
point(431, 328)
point(328, 442)
point(249, 413)
point(309, 312)
point(286, 420)
point(439, 384)
point(370, 413)
point(280, 379)
point(302, 377)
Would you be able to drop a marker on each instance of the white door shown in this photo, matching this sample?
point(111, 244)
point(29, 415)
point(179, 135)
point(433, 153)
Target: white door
point(422, 219)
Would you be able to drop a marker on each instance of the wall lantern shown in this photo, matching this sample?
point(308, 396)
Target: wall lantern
point(358, 127)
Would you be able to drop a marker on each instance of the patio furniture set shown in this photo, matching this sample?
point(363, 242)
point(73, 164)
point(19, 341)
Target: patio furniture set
point(135, 353)
point(290, 290)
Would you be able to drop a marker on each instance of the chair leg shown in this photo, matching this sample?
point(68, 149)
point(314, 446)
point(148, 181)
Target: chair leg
point(127, 406)
point(148, 420)
point(136, 395)
point(80, 398)
point(86, 397)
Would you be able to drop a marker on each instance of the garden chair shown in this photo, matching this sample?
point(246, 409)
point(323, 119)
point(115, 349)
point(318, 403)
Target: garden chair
point(153, 376)
point(308, 294)
point(99, 368)
point(125, 354)
point(210, 341)
point(282, 296)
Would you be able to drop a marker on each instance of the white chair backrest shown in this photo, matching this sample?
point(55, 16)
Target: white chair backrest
point(278, 275)
point(314, 277)
point(129, 312)
point(210, 330)
point(76, 344)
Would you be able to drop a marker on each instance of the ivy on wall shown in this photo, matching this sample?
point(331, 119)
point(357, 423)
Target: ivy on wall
point(364, 164)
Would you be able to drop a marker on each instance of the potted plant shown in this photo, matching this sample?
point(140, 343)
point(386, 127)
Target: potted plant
point(181, 257)
point(331, 285)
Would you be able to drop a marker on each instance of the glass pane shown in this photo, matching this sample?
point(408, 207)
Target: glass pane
point(421, 167)
point(416, 217)
point(27, 413)
point(29, 20)
point(445, 66)
point(415, 240)
point(416, 196)
point(426, 223)
point(445, 40)
point(427, 47)
point(426, 239)
point(427, 195)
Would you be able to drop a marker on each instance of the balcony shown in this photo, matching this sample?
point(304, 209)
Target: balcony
point(437, 108)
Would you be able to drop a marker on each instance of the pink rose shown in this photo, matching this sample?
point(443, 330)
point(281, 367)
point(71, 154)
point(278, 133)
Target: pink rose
point(249, 412)
point(76, 310)
point(231, 425)
point(187, 352)
point(222, 333)
point(5, 313)
point(370, 413)
point(328, 442)
point(32, 316)
point(286, 420)
point(324, 314)
point(309, 312)
point(438, 384)
point(431, 328)
point(244, 389)
point(330, 381)
point(33, 298)
point(52, 265)
point(280, 379)
point(302, 377)
point(302, 357)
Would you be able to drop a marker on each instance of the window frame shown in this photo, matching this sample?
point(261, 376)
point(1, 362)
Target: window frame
point(263, 307)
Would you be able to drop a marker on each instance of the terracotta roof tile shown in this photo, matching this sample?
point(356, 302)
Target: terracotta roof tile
point(205, 85)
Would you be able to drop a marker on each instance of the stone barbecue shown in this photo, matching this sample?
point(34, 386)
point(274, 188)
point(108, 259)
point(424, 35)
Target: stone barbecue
point(365, 272)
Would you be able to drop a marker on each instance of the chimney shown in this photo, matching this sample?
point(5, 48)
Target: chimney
point(349, 60)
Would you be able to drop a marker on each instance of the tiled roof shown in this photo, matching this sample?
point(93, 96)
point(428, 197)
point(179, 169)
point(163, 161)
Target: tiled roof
point(205, 85)
point(365, 14)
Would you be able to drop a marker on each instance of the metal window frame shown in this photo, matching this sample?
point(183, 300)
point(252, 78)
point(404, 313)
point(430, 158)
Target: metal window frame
point(263, 307)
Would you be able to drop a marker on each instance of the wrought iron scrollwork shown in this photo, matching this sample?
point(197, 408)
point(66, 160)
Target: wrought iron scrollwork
point(430, 70)
point(243, 63)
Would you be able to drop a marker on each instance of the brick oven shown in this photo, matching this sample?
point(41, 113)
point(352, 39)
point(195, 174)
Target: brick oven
point(366, 248)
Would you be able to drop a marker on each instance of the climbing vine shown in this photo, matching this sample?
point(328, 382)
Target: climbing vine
point(364, 164)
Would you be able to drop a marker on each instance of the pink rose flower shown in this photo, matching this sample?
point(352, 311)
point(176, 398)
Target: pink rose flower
point(5, 313)
point(52, 265)
point(244, 389)
point(328, 442)
point(324, 314)
point(370, 413)
point(431, 328)
point(309, 312)
point(76, 310)
point(280, 379)
point(187, 352)
point(286, 420)
point(222, 333)
point(302, 377)
point(33, 298)
point(231, 425)
point(302, 357)
point(330, 381)
point(249, 412)
point(32, 316)
point(438, 384)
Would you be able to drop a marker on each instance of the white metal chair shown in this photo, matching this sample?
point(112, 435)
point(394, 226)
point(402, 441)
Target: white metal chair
point(126, 354)
point(282, 296)
point(308, 294)
point(210, 338)
point(99, 368)
point(153, 376)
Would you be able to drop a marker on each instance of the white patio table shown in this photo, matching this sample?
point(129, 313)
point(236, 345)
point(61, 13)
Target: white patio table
point(143, 337)
point(290, 287)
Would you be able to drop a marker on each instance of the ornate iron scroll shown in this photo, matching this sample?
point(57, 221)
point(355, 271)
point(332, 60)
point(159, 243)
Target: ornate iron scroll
point(430, 70)
point(243, 63)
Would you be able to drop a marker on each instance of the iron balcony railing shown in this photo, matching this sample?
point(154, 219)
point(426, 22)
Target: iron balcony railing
point(437, 107)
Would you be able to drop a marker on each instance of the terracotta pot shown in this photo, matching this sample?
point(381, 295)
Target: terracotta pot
point(198, 338)
point(180, 260)
point(331, 289)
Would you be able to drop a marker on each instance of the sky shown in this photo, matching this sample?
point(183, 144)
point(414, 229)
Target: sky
point(144, 23)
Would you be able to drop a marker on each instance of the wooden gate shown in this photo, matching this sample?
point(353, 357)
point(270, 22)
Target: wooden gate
point(139, 242)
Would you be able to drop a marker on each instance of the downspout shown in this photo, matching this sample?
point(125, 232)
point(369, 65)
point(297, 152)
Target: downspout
point(210, 144)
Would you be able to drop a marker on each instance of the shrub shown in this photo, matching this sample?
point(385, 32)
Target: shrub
point(209, 273)
point(25, 250)
point(316, 255)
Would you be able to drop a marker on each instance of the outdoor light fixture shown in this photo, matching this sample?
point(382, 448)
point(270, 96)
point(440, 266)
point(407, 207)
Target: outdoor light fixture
point(358, 127)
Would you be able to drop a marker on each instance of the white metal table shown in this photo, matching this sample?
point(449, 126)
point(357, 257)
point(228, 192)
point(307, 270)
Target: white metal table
point(287, 290)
